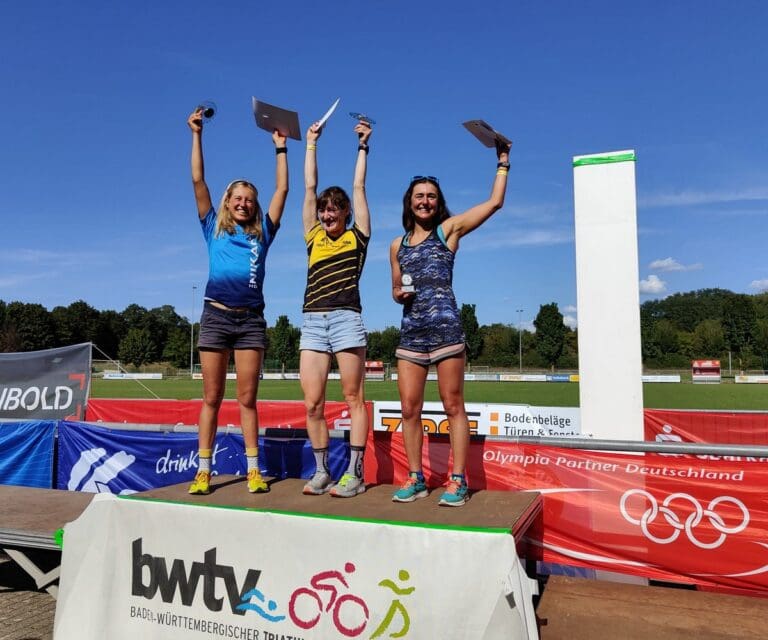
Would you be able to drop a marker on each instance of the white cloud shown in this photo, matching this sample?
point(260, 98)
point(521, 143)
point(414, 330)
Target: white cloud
point(517, 238)
point(760, 285)
point(688, 198)
point(670, 264)
point(653, 285)
point(570, 308)
point(569, 321)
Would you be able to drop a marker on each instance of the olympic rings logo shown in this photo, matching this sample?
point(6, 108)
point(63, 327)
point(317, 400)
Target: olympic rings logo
point(691, 522)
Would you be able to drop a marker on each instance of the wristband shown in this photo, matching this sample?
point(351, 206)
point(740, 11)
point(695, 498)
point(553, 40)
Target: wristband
point(311, 147)
point(279, 150)
point(502, 165)
point(362, 147)
point(502, 172)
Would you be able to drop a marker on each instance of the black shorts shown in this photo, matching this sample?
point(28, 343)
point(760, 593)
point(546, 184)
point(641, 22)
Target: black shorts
point(231, 329)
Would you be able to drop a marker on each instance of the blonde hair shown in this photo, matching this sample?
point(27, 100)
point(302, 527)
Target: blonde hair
point(224, 221)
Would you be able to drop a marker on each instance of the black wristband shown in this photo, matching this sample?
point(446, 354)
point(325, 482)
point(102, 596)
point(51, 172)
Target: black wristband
point(279, 150)
point(502, 165)
point(362, 147)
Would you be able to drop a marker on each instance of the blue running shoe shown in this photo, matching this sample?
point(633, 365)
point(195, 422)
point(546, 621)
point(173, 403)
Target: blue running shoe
point(412, 489)
point(455, 494)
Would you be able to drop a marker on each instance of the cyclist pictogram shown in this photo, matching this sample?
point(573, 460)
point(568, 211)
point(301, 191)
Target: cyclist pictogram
point(349, 612)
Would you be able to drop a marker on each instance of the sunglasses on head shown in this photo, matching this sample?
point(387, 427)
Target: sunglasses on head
point(423, 178)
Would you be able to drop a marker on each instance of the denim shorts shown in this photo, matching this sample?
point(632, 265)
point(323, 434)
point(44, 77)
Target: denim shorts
point(230, 329)
point(332, 331)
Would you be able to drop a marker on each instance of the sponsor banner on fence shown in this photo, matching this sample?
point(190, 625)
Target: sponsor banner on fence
point(272, 413)
point(726, 427)
point(661, 378)
point(156, 573)
point(687, 519)
point(100, 460)
point(45, 385)
point(118, 375)
point(488, 419)
point(27, 453)
point(751, 379)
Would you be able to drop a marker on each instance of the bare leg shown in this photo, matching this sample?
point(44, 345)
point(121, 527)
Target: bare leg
point(248, 364)
point(313, 371)
point(411, 379)
point(214, 368)
point(352, 370)
point(450, 382)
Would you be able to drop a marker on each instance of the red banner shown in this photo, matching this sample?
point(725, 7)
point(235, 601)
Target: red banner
point(726, 427)
point(186, 412)
point(679, 519)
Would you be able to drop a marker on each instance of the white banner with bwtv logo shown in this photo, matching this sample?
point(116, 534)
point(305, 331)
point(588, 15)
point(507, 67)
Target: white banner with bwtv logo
point(156, 570)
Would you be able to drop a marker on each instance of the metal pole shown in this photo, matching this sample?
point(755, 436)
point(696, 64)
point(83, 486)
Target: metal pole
point(192, 335)
point(520, 337)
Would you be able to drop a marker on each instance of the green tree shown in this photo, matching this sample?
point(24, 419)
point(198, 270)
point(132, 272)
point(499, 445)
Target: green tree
point(761, 339)
point(284, 342)
point(177, 346)
point(664, 335)
point(708, 339)
point(137, 348)
point(471, 331)
point(500, 345)
point(550, 333)
point(738, 322)
point(75, 324)
point(31, 324)
point(137, 317)
point(382, 344)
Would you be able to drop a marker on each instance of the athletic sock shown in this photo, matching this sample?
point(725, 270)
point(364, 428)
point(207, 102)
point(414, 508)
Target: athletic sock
point(321, 459)
point(252, 457)
point(356, 461)
point(204, 460)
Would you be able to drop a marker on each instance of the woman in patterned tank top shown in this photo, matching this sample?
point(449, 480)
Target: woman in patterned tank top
point(431, 333)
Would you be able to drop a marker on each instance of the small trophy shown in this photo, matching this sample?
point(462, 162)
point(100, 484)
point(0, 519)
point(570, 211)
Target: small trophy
point(208, 107)
point(406, 283)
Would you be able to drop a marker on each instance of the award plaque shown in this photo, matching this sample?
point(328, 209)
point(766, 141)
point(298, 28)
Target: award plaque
point(406, 284)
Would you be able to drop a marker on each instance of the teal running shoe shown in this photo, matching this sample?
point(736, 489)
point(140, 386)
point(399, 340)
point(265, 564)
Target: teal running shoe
point(455, 494)
point(412, 489)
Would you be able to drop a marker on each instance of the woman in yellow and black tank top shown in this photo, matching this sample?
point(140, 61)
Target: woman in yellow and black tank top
point(332, 324)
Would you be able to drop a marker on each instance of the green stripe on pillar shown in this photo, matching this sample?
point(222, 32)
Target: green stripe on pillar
point(622, 157)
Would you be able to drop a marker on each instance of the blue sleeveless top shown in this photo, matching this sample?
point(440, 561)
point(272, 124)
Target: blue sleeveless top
point(431, 318)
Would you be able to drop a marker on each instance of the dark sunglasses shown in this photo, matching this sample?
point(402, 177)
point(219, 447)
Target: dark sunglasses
point(423, 178)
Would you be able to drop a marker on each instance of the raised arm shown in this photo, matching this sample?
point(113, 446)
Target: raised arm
point(359, 199)
point(277, 204)
point(309, 212)
point(460, 225)
point(202, 195)
point(398, 294)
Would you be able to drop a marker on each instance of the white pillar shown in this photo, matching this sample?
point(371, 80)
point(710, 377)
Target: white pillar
point(608, 296)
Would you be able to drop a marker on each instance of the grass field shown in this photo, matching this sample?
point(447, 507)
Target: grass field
point(752, 397)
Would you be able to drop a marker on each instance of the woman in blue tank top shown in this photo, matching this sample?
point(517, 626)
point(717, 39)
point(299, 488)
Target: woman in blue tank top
point(238, 235)
point(431, 333)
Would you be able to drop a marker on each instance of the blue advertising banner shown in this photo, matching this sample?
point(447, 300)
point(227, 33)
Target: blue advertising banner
point(100, 460)
point(45, 385)
point(27, 453)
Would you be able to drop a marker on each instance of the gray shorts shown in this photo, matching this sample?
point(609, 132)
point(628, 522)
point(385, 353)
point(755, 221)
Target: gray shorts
point(230, 329)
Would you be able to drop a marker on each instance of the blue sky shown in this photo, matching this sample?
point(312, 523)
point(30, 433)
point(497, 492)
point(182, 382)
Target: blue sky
point(96, 198)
